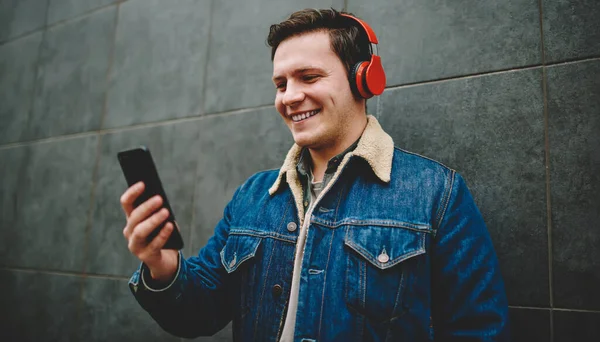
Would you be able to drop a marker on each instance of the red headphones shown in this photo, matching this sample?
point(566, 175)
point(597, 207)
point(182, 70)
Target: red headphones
point(367, 78)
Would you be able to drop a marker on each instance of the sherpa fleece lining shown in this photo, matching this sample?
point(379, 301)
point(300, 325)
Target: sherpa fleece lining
point(376, 147)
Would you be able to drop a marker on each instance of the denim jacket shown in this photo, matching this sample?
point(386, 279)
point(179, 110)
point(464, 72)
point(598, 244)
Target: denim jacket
point(396, 250)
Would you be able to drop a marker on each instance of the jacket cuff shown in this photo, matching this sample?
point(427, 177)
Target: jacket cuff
point(145, 272)
point(138, 281)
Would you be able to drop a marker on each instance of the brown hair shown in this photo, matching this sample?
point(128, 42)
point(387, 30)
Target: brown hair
point(349, 42)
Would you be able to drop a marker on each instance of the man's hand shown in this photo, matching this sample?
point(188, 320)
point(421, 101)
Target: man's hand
point(140, 223)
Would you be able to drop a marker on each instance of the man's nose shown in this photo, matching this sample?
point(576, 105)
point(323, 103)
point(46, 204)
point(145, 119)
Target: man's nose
point(293, 95)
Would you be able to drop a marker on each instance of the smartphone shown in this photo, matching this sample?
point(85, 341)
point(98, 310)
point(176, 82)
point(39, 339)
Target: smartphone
point(137, 165)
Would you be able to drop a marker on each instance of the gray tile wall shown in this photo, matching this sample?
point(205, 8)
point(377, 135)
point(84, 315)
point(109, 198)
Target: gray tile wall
point(506, 92)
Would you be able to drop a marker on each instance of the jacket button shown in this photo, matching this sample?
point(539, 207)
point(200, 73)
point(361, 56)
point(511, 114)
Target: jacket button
point(277, 290)
point(292, 226)
point(383, 258)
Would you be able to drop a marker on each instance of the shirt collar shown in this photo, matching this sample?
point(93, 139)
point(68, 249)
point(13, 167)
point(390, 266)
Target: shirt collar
point(304, 164)
point(375, 146)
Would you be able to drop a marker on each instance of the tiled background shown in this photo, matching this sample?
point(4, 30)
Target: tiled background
point(507, 92)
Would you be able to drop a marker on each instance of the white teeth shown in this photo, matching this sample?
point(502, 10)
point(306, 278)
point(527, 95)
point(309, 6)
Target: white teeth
point(303, 116)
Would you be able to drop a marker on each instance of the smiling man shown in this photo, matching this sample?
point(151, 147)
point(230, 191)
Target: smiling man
point(351, 239)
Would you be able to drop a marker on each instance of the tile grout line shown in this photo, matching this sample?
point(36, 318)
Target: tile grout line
point(465, 76)
point(133, 127)
point(36, 81)
point(553, 309)
point(109, 69)
point(27, 34)
point(547, 169)
point(208, 44)
point(208, 54)
point(60, 22)
point(528, 307)
point(493, 72)
point(82, 15)
point(23, 35)
point(99, 145)
point(573, 61)
point(577, 310)
point(548, 197)
point(95, 172)
point(193, 218)
point(248, 109)
point(41, 29)
point(63, 273)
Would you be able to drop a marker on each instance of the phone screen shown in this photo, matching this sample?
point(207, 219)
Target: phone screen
point(137, 165)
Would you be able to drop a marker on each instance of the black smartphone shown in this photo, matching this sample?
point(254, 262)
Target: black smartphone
point(137, 165)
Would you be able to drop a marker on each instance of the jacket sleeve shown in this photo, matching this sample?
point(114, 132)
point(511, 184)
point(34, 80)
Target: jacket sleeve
point(468, 298)
point(198, 302)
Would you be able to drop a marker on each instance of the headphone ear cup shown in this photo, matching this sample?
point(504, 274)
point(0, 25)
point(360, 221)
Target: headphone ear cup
point(374, 76)
point(360, 79)
point(352, 79)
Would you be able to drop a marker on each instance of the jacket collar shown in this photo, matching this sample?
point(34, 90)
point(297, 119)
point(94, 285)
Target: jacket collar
point(376, 147)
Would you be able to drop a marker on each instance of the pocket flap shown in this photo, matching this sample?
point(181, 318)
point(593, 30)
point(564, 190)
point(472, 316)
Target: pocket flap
point(384, 247)
point(238, 248)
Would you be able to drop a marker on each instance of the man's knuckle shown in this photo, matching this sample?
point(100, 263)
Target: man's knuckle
point(158, 217)
point(133, 237)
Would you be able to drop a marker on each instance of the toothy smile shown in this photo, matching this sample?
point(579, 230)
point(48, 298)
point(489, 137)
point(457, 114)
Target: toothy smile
point(305, 115)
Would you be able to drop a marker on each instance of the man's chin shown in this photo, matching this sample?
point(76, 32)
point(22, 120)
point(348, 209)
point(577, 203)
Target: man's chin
point(304, 142)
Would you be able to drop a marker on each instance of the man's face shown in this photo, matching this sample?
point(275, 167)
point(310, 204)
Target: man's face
point(313, 93)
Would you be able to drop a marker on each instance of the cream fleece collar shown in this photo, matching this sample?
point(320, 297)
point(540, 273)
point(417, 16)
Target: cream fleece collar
point(376, 147)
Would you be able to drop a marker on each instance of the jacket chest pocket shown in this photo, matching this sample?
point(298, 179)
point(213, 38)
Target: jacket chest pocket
point(380, 263)
point(238, 257)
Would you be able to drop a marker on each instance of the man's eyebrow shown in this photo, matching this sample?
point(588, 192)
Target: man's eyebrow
point(299, 71)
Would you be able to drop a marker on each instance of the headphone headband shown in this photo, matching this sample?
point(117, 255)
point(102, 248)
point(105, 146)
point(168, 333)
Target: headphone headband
point(365, 26)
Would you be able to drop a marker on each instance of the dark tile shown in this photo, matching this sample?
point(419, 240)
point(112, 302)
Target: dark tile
point(572, 326)
point(425, 40)
point(37, 306)
point(111, 313)
point(571, 29)
point(18, 17)
point(574, 123)
point(160, 57)
point(175, 150)
point(72, 76)
point(491, 130)
point(49, 201)
point(64, 9)
point(17, 69)
point(13, 163)
point(239, 64)
point(232, 148)
point(528, 325)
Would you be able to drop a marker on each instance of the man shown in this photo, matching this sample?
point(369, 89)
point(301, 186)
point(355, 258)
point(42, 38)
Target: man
point(350, 240)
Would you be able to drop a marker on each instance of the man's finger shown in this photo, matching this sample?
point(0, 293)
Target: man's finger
point(162, 237)
point(146, 227)
point(129, 197)
point(144, 210)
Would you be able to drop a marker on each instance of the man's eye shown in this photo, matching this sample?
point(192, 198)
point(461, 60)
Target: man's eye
point(309, 78)
point(280, 85)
